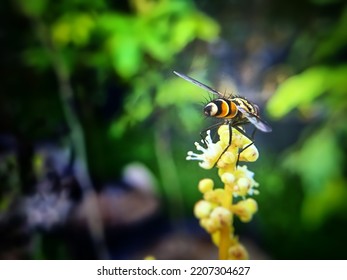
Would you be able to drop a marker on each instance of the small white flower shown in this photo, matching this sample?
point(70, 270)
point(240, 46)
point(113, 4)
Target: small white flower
point(209, 155)
point(246, 185)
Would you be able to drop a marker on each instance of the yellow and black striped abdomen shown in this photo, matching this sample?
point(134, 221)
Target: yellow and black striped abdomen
point(221, 108)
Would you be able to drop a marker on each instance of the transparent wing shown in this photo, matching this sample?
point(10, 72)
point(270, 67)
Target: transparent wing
point(195, 82)
point(258, 123)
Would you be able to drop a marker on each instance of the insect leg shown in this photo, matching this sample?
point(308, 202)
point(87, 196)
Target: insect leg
point(229, 143)
point(202, 133)
point(250, 138)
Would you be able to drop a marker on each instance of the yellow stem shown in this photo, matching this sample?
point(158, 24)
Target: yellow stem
point(226, 230)
point(224, 242)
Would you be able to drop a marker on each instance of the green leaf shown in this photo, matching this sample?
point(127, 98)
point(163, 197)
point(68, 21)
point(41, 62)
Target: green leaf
point(191, 117)
point(118, 127)
point(207, 28)
point(122, 43)
point(318, 161)
point(83, 25)
point(61, 33)
point(183, 31)
point(317, 207)
point(299, 90)
point(139, 107)
point(72, 28)
point(33, 8)
point(155, 38)
point(126, 54)
point(111, 23)
point(176, 91)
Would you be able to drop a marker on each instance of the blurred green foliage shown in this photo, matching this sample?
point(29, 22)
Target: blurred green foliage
point(118, 58)
point(121, 40)
point(96, 78)
point(315, 166)
point(301, 91)
point(95, 47)
point(134, 43)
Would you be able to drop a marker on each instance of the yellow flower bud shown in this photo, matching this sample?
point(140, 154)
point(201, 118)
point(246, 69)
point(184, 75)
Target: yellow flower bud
point(205, 185)
point(242, 186)
point(238, 139)
point(215, 196)
point(210, 225)
point(243, 182)
point(228, 158)
point(238, 252)
point(202, 209)
point(245, 209)
point(251, 154)
point(222, 215)
point(228, 178)
point(223, 132)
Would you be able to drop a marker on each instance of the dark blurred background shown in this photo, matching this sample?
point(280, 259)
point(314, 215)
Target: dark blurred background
point(95, 127)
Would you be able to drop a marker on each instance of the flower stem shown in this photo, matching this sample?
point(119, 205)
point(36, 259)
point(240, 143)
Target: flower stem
point(225, 231)
point(224, 242)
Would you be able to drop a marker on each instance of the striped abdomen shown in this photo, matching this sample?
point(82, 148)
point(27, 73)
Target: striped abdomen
point(227, 108)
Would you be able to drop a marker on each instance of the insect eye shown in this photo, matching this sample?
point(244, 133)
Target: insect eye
point(207, 110)
point(210, 110)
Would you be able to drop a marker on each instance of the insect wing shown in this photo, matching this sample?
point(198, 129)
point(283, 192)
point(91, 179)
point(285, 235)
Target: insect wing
point(258, 123)
point(195, 82)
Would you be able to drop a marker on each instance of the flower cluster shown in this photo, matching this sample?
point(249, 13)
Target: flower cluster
point(219, 205)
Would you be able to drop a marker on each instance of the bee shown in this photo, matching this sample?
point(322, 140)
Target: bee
point(235, 111)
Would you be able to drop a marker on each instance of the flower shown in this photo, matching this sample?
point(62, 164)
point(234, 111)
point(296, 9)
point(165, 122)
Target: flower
point(239, 180)
point(209, 155)
point(221, 153)
point(217, 208)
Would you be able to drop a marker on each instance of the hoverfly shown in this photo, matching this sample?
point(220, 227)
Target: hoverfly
point(235, 111)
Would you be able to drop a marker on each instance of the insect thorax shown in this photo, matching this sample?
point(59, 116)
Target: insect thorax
point(246, 105)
